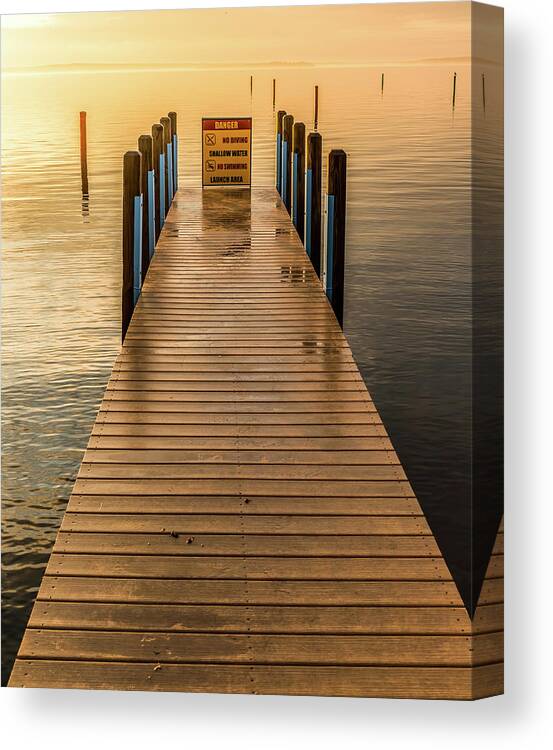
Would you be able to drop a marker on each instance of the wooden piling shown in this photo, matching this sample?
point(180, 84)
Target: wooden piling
point(454, 89)
point(157, 139)
point(336, 232)
point(145, 146)
point(279, 118)
point(298, 193)
point(166, 125)
point(316, 116)
point(84, 161)
point(287, 133)
point(131, 190)
point(251, 86)
point(382, 84)
point(313, 187)
point(274, 93)
point(173, 118)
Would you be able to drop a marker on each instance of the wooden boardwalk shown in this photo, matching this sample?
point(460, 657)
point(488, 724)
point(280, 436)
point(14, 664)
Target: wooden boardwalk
point(240, 521)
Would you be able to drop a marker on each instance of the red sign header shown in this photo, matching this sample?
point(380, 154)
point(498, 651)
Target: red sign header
point(225, 124)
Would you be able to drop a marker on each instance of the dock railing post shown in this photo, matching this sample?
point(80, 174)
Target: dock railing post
point(132, 236)
point(298, 172)
point(336, 231)
point(159, 173)
point(84, 162)
point(167, 150)
point(173, 119)
point(286, 161)
point(279, 119)
point(145, 146)
point(313, 187)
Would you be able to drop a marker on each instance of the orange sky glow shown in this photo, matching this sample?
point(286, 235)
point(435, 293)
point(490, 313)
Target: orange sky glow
point(354, 34)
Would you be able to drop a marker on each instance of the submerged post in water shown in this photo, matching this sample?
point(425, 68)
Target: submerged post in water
point(175, 140)
point(159, 177)
point(484, 91)
point(313, 187)
point(84, 161)
point(316, 117)
point(278, 160)
point(145, 146)
point(454, 88)
point(382, 84)
point(286, 192)
point(132, 241)
point(274, 93)
point(298, 171)
point(336, 232)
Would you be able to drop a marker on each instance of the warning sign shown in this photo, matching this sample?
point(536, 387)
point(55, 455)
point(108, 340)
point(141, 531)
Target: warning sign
point(226, 151)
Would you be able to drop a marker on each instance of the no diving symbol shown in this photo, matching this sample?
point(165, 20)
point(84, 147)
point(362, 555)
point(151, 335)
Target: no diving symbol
point(210, 139)
point(210, 165)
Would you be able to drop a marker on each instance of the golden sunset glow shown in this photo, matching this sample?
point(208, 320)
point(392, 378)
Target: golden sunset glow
point(383, 34)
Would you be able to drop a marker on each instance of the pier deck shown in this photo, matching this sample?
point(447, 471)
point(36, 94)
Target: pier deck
point(241, 522)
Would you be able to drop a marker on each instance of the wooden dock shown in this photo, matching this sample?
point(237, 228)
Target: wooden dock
point(240, 522)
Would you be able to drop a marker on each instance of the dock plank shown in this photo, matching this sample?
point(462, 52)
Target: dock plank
point(249, 568)
point(291, 545)
point(166, 648)
point(379, 506)
point(145, 618)
point(250, 592)
point(370, 682)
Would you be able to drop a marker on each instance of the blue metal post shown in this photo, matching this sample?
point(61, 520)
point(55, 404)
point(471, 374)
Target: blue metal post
point(279, 119)
point(329, 245)
point(151, 213)
point(279, 162)
point(175, 163)
point(157, 137)
point(170, 173)
point(298, 179)
point(313, 190)
point(295, 190)
point(308, 209)
point(286, 165)
point(161, 190)
point(174, 169)
point(137, 248)
point(336, 232)
point(284, 171)
point(132, 235)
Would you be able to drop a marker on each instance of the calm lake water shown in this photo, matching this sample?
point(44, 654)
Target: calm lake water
point(408, 276)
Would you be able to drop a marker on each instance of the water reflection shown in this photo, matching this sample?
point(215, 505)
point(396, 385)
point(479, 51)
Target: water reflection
point(85, 208)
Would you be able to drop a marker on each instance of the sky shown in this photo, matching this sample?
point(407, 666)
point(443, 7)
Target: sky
point(383, 34)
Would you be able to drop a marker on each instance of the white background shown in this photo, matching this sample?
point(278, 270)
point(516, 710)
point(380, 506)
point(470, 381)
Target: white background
point(78, 719)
